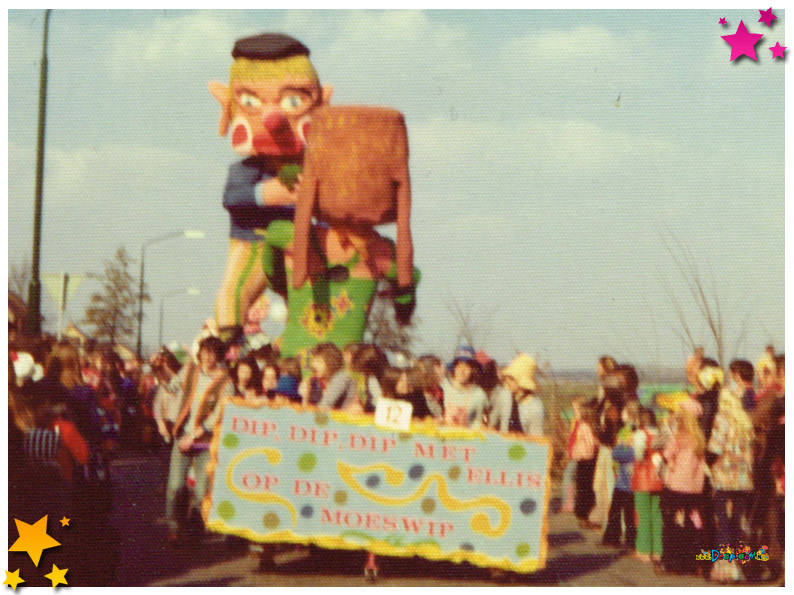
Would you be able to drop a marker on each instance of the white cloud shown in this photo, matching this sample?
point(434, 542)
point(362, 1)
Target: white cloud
point(179, 37)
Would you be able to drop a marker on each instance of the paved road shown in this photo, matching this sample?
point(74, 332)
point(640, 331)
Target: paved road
point(576, 557)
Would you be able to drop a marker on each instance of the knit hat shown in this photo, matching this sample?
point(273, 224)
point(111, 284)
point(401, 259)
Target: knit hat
point(464, 353)
point(522, 370)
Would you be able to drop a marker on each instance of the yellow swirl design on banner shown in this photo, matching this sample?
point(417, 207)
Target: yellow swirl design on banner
point(480, 523)
point(274, 458)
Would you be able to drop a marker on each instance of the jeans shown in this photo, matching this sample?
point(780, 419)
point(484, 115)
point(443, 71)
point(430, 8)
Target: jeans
point(180, 464)
point(622, 502)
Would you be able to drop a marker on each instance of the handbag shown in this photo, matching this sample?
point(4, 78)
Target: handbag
point(645, 477)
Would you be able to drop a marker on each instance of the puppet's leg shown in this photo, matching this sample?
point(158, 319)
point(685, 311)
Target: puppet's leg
point(243, 282)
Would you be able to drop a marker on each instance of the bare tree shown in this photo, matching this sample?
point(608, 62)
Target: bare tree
point(112, 311)
point(19, 278)
point(471, 330)
point(703, 291)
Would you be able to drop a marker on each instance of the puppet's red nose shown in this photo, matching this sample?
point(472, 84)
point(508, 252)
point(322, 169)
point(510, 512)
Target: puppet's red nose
point(275, 122)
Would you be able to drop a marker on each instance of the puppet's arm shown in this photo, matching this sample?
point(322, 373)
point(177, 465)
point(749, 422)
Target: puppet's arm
point(404, 297)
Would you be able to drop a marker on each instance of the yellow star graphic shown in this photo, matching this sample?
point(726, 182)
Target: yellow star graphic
point(13, 579)
point(57, 576)
point(65, 522)
point(33, 539)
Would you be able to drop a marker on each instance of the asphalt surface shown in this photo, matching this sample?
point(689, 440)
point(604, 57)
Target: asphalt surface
point(576, 557)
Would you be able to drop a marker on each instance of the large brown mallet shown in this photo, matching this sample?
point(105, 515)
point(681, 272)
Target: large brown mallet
point(355, 174)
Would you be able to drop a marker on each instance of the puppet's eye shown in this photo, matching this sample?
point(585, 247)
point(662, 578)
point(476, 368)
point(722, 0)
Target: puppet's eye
point(248, 100)
point(292, 102)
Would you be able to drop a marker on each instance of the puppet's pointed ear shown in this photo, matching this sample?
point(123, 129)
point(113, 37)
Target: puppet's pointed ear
point(328, 90)
point(224, 97)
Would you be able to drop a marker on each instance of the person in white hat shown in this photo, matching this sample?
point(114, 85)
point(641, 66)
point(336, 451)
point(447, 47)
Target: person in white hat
point(527, 415)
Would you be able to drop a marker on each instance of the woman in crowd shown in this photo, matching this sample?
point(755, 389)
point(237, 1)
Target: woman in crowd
point(731, 443)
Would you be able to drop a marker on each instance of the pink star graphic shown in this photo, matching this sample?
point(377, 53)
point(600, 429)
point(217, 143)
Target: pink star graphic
point(767, 17)
point(777, 51)
point(743, 42)
point(723, 22)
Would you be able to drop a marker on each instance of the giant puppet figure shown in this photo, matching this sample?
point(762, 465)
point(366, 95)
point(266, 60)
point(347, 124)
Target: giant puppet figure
point(272, 90)
point(355, 177)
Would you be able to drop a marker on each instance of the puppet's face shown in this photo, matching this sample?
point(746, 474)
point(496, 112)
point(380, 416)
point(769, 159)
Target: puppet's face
point(271, 117)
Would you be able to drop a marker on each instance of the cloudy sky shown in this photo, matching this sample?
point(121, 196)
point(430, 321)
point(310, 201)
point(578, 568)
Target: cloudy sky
point(542, 206)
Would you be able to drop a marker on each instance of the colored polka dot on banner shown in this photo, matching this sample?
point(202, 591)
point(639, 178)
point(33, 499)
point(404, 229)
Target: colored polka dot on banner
point(528, 506)
point(307, 461)
point(454, 472)
point(270, 520)
point(522, 550)
point(307, 512)
point(321, 418)
point(516, 452)
point(467, 547)
point(373, 481)
point(416, 471)
point(226, 510)
point(340, 497)
point(428, 505)
point(231, 441)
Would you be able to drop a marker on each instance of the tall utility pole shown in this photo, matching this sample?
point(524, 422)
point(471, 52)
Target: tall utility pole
point(34, 292)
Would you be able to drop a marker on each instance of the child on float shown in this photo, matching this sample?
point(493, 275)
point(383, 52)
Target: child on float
point(647, 486)
point(464, 402)
point(367, 367)
point(337, 389)
point(622, 502)
point(583, 448)
point(429, 374)
point(684, 479)
point(247, 378)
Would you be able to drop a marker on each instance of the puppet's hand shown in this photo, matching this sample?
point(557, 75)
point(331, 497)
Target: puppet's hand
point(404, 304)
point(288, 175)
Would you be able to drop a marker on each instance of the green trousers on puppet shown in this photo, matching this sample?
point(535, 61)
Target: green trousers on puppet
point(328, 309)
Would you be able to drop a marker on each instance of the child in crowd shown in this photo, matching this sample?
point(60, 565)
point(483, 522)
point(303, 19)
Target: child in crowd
point(338, 389)
point(464, 401)
point(684, 480)
point(428, 375)
point(367, 366)
point(647, 487)
point(622, 496)
point(583, 447)
point(247, 378)
point(270, 376)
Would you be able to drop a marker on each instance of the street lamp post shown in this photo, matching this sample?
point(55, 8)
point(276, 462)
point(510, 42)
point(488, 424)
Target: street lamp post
point(34, 290)
point(188, 291)
point(190, 234)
